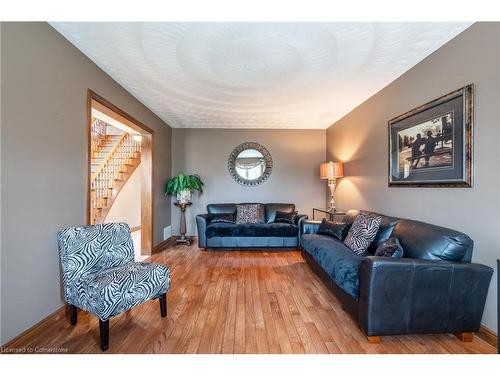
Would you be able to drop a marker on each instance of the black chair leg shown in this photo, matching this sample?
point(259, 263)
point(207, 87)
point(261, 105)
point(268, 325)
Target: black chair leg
point(73, 314)
point(104, 333)
point(163, 305)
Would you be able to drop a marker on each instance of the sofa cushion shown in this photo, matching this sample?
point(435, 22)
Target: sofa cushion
point(252, 230)
point(250, 213)
point(336, 259)
point(426, 241)
point(362, 232)
point(271, 209)
point(350, 215)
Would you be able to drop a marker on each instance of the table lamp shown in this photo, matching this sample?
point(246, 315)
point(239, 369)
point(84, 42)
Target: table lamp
point(331, 171)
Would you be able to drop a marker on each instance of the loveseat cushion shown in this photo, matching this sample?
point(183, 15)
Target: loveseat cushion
point(252, 230)
point(221, 208)
point(336, 259)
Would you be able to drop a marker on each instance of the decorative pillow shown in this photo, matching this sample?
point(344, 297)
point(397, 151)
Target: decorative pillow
point(363, 231)
point(390, 248)
point(220, 218)
point(333, 229)
point(252, 213)
point(286, 217)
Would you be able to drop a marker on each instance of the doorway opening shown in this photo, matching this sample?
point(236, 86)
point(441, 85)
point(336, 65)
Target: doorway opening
point(120, 172)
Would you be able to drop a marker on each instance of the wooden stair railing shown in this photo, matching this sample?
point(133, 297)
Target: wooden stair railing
point(98, 132)
point(111, 175)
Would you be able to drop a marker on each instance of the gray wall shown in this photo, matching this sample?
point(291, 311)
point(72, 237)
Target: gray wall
point(360, 139)
point(44, 162)
point(295, 177)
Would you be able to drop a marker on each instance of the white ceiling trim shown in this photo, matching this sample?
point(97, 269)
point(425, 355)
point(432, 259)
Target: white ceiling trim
point(255, 75)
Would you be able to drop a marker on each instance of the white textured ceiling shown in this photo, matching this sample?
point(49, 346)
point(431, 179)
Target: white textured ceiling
point(255, 75)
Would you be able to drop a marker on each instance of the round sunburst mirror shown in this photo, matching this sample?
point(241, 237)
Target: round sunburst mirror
point(250, 164)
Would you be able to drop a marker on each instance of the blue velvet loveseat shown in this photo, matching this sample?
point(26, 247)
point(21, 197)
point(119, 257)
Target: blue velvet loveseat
point(269, 234)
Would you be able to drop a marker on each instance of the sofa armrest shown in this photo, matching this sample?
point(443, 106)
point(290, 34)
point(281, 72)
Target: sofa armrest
point(201, 225)
point(403, 295)
point(300, 219)
point(309, 226)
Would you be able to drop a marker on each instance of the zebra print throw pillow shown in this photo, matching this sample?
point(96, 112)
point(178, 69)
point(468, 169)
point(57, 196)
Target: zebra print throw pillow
point(250, 214)
point(362, 232)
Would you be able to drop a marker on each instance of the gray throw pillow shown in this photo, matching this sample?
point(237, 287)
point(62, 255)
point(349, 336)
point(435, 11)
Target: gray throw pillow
point(250, 213)
point(390, 248)
point(334, 229)
point(220, 218)
point(363, 231)
point(286, 217)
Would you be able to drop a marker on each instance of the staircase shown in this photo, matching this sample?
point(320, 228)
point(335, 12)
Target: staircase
point(114, 159)
point(105, 147)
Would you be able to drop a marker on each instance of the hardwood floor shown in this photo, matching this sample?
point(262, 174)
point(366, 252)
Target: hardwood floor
point(235, 302)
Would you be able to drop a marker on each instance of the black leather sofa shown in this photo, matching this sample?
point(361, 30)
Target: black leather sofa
point(434, 288)
point(234, 236)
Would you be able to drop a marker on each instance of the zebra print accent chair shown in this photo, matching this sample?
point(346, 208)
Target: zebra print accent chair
point(101, 277)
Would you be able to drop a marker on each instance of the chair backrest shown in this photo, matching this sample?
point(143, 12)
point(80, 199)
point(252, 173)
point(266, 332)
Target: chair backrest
point(89, 249)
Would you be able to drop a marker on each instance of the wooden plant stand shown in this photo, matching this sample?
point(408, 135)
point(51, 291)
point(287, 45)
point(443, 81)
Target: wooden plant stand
point(183, 238)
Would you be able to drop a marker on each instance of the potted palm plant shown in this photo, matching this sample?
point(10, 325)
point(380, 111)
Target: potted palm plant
point(183, 186)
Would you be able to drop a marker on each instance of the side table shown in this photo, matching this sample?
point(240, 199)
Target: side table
point(183, 239)
point(331, 214)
